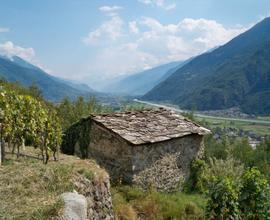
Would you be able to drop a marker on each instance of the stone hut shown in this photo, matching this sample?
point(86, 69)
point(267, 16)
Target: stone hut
point(149, 147)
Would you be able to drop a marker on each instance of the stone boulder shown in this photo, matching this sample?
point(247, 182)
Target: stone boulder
point(75, 207)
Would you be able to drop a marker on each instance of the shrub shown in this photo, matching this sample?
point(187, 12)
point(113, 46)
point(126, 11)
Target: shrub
point(126, 212)
point(192, 211)
point(217, 149)
point(255, 195)
point(218, 169)
point(223, 200)
point(194, 182)
point(152, 204)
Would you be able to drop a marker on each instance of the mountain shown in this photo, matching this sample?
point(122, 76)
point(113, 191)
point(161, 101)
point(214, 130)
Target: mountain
point(142, 82)
point(235, 74)
point(53, 88)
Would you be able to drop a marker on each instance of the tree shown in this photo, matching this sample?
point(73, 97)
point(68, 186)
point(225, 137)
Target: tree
point(254, 199)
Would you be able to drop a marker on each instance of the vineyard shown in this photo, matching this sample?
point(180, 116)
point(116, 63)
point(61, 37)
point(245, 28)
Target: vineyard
point(27, 120)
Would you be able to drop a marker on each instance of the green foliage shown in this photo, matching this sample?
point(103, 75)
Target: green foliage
point(231, 175)
point(154, 205)
point(25, 118)
point(203, 175)
point(194, 183)
point(217, 149)
point(78, 133)
point(240, 149)
point(255, 196)
point(261, 158)
point(243, 151)
point(71, 112)
point(245, 198)
point(223, 200)
point(219, 169)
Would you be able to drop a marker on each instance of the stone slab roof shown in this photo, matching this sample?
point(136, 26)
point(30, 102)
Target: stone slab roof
point(149, 126)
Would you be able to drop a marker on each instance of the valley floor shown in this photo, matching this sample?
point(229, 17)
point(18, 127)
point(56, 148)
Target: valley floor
point(254, 127)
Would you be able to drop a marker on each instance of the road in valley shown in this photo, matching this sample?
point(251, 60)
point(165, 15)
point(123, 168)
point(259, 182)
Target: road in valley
point(265, 122)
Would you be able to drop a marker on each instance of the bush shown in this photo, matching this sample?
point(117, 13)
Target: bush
point(223, 200)
point(218, 169)
point(255, 195)
point(194, 182)
point(126, 212)
point(217, 149)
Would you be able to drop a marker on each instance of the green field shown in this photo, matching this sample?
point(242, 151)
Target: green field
point(259, 128)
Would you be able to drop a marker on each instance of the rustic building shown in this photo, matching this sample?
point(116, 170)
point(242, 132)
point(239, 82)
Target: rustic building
point(150, 147)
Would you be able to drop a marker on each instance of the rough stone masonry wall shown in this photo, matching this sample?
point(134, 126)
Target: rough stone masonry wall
point(111, 152)
point(98, 196)
point(165, 165)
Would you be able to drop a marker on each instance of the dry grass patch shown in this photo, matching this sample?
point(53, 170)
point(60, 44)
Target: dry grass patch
point(30, 190)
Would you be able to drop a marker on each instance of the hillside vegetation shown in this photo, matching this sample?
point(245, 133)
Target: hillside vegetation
point(30, 190)
point(236, 74)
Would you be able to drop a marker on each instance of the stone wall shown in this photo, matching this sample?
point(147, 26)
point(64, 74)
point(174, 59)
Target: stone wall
point(98, 196)
point(111, 152)
point(163, 164)
point(166, 165)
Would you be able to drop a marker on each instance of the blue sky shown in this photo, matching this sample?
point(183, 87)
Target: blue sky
point(95, 40)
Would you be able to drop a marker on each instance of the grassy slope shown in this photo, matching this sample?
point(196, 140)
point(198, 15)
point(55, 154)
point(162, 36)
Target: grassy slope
point(30, 189)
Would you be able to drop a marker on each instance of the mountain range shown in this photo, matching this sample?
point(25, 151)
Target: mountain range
point(142, 82)
point(235, 74)
point(15, 69)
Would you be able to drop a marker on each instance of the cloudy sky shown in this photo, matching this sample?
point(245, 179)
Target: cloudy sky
point(93, 40)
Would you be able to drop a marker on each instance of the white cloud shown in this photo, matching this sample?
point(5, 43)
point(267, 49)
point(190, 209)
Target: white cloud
point(109, 30)
point(170, 7)
point(133, 28)
point(110, 10)
point(9, 49)
point(118, 61)
point(208, 33)
point(3, 30)
point(159, 3)
point(146, 42)
point(187, 38)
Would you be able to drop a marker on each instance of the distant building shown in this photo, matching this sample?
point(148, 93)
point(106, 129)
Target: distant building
point(150, 147)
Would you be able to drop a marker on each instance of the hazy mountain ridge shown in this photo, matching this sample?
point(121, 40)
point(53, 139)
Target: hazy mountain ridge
point(231, 75)
point(142, 82)
point(53, 88)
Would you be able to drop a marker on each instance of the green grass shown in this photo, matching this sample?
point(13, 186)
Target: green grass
point(133, 203)
point(257, 128)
